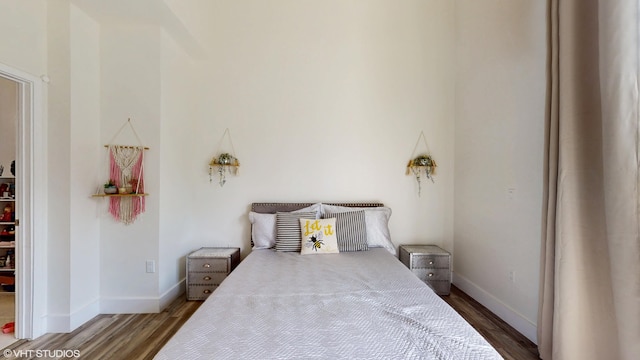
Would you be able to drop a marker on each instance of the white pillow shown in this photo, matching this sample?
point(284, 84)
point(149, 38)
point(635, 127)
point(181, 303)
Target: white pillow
point(263, 230)
point(318, 236)
point(377, 223)
point(263, 226)
point(317, 208)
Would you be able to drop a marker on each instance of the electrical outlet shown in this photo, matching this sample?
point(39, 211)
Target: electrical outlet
point(512, 276)
point(151, 266)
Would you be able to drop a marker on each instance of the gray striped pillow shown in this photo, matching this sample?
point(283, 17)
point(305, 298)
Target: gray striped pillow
point(351, 230)
point(288, 230)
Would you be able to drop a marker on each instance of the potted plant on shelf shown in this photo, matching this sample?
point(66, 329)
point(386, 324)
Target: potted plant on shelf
point(225, 163)
point(110, 187)
point(422, 164)
point(132, 186)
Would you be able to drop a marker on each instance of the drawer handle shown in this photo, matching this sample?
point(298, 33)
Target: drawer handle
point(207, 291)
point(207, 278)
point(430, 275)
point(206, 266)
point(431, 262)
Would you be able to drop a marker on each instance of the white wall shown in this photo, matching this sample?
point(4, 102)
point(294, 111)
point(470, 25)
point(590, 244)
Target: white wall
point(59, 169)
point(131, 88)
point(500, 102)
point(23, 39)
point(84, 167)
point(73, 255)
point(330, 95)
point(195, 18)
point(325, 101)
point(179, 110)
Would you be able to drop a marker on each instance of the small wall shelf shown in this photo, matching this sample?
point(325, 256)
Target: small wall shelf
point(215, 162)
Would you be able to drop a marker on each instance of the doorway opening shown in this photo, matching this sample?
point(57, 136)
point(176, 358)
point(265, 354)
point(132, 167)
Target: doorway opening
point(8, 148)
point(25, 201)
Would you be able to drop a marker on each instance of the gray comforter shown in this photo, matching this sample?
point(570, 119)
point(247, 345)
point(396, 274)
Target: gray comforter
point(358, 305)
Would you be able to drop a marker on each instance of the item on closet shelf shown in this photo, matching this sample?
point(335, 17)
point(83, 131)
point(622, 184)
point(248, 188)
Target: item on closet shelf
point(13, 168)
point(6, 216)
point(1, 169)
point(9, 327)
point(10, 259)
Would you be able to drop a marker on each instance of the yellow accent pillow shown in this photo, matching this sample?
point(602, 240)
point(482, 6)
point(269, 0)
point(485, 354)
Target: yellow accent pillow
point(318, 236)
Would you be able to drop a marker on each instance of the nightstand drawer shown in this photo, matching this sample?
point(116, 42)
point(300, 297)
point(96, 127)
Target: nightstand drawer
point(200, 292)
point(197, 278)
point(430, 261)
point(209, 265)
point(432, 274)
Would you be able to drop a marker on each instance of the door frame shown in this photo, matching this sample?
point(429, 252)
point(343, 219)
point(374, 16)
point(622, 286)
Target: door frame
point(31, 203)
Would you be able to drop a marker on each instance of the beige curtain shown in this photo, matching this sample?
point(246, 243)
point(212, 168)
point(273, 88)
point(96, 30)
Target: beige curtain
point(590, 270)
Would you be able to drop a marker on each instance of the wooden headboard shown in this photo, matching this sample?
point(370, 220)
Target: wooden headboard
point(272, 208)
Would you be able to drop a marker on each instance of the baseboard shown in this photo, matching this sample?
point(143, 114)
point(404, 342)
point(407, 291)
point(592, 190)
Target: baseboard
point(84, 314)
point(65, 323)
point(141, 305)
point(129, 305)
point(503, 311)
point(172, 294)
point(58, 323)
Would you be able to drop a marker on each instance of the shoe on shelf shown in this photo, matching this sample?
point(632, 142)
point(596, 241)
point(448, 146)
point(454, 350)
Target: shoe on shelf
point(8, 327)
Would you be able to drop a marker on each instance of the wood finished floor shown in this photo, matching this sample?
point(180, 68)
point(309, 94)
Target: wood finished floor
point(510, 343)
point(140, 336)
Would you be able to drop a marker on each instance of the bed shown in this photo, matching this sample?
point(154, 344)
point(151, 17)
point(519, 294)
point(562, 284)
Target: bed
point(348, 305)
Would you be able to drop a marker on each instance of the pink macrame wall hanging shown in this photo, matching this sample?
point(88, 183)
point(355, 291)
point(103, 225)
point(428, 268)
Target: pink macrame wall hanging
point(127, 171)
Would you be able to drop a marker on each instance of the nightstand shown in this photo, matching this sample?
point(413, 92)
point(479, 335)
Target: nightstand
point(431, 264)
point(207, 267)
